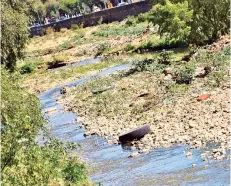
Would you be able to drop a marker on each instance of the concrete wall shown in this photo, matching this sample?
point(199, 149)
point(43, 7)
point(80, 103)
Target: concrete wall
point(108, 15)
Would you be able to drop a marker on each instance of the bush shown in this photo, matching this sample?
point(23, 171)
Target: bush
point(28, 68)
point(23, 161)
point(129, 47)
point(162, 44)
point(164, 57)
point(74, 27)
point(131, 20)
point(143, 17)
point(185, 73)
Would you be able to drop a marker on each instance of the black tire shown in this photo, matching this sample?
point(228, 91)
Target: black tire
point(137, 133)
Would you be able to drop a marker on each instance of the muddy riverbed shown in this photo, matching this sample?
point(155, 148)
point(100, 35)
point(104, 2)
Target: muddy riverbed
point(110, 165)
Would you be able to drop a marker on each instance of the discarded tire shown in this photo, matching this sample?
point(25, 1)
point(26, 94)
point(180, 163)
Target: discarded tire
point(137, 133)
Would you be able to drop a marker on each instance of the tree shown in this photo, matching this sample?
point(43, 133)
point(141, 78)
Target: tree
point(51, 5)
point(23, 161)
point(199, 22)
point(173, 20)
point(211, 19)
point(14, 25)
point(69, 5)
point(38, 10)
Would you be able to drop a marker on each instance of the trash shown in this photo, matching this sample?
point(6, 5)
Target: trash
point(203, 97)
point(166, 101)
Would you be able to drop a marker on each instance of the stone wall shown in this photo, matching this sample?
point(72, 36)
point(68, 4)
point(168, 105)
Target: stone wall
point(107, 15)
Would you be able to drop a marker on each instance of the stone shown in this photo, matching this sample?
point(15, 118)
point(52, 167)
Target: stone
point(188, 154)
point(63, 90)
point(194, 165)
point(134, 155)
point(203, 155)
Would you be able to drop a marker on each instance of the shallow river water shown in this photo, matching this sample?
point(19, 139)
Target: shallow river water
point(110, 165)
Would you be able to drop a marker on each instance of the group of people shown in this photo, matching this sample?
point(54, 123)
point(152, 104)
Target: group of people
point(60, 17)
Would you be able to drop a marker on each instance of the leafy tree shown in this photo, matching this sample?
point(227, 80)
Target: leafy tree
point(23, 161)
point(51, 5)
point(69, 5)
point(14, 25)
point(173, 20)
point(211, 19)
point(38, 10)
point(196, 21)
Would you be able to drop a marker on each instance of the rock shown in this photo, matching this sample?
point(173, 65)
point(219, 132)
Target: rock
point(51, 111)
point(63, 90)
point(134, 155)
point(199, 72)
point(39, 67)
point(203, 97)
point(144, 151)
point(194, 165)
point(218, 158)
point(188, 154)
point(203, 155)
point(202, 72)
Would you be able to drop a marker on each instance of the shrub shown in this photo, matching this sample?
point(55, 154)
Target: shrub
point(131, 20)
point(185, 73)
point(29, 66)
point(143, 17)
point(162, 44)
point(129, 47)
point(164, 57)
point(74, 27)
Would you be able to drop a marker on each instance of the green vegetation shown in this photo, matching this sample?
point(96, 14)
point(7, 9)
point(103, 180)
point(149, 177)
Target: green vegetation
point(181, 19)
point(43, 80)
point(24, 162)
point(14, 22)
point(116, 29)
point(173, 20)
point(28, 66)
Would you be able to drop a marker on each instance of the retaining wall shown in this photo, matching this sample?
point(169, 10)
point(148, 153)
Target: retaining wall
point(107, 15)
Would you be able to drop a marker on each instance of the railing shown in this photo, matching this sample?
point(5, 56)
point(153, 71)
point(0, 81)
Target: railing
point(107, 16)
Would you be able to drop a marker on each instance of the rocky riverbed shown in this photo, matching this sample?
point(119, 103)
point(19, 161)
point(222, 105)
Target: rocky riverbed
point(195, 114)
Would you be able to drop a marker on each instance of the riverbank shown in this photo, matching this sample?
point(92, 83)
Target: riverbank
point(173, 110)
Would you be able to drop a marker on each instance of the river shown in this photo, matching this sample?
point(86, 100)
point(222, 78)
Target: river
point(110, 165)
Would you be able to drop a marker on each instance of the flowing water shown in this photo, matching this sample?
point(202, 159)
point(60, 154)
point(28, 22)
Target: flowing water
point(110, 165)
